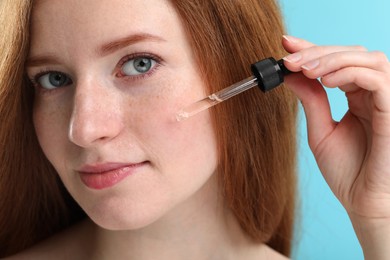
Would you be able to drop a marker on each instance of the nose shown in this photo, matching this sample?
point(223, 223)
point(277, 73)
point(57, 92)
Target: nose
point(96, 115)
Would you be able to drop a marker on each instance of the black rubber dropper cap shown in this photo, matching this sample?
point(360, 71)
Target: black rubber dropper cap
point(269, 73)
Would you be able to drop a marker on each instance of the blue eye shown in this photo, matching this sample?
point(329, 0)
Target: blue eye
point(138, 66)
point(52, 80)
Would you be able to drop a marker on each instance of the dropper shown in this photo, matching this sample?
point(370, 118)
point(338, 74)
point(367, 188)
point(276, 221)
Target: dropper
point(267, 74)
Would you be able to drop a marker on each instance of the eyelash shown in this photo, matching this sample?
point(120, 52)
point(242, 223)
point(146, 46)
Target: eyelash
point(134, 56)
point(35, 78)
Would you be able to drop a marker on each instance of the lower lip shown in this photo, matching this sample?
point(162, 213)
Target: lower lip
point(103, 180)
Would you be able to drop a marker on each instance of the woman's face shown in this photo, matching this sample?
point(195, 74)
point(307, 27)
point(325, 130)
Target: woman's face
point(109, 78)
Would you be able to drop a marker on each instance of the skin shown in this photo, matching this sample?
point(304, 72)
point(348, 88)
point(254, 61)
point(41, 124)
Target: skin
point(170, 206)
point(74, 129)
point(353, 153)
point(105, 118)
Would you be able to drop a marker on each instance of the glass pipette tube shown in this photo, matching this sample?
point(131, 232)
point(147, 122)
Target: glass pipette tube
point(268, 74)
point(216, 98)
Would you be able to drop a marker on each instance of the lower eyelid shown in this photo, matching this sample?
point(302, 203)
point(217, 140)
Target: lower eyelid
point(139, 77)
point(156, 66)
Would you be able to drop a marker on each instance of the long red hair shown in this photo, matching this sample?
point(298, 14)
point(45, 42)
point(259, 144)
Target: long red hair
point(33, 202)
point(255, 131)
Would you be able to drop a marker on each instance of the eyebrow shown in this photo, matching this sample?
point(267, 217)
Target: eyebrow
point(113, 46)
point(104, 50)
point(40, 60)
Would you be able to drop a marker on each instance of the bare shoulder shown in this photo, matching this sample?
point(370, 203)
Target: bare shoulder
point(262, 252)
point(268, 253)
point(68, 244)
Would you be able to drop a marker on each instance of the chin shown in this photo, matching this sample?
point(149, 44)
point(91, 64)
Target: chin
point(119, 217)
point(122, 224)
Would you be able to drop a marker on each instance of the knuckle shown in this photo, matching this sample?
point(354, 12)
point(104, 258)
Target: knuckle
point(378, 80)
point(344, 57)
point(359, 48)
point(381, 84)
point(386, 79)
point(322, 49)
point(380, 57)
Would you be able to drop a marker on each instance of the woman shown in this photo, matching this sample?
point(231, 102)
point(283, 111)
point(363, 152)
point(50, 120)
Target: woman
point(104, 82)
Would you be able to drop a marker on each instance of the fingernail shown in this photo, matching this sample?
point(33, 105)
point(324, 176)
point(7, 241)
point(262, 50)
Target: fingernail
point(311, 65)
point(290, 38)
point(295, 57)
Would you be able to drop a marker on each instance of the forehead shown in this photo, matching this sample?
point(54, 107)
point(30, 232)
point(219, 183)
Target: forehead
point(57, 22)
point(75, 11)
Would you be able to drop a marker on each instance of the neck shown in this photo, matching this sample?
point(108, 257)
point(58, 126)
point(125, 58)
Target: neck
point(200, 228)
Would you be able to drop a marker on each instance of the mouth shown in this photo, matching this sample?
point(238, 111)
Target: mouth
point(102, 176)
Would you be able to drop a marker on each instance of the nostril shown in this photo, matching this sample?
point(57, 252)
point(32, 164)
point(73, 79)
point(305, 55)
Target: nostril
point(100, 127)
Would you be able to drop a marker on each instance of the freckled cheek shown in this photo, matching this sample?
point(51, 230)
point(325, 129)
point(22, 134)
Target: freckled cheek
point(51, 130)
point(169, 137)
point(155, 116)
point(167, 98)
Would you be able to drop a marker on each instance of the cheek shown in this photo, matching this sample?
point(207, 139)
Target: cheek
point(174, 93)
point(51, 128)
point(196, 143)
point(191, 141)
point(180, 146)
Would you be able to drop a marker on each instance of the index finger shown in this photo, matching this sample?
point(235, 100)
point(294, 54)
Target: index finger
point(293, 44)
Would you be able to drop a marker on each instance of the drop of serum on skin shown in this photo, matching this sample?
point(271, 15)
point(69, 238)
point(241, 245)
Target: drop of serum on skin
point(198, 106)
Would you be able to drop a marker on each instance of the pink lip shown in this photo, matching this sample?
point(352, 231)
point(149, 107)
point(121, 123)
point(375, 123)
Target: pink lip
point(102, 176)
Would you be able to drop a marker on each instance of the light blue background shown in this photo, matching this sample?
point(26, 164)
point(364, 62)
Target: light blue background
point(324, 230)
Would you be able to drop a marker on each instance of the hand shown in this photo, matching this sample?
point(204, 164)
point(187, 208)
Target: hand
point(353, 154)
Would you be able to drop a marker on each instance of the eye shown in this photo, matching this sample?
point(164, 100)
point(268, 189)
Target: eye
point(138, 66)
point(52, 80)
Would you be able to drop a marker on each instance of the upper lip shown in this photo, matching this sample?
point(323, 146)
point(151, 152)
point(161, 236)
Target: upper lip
point(104, 167)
